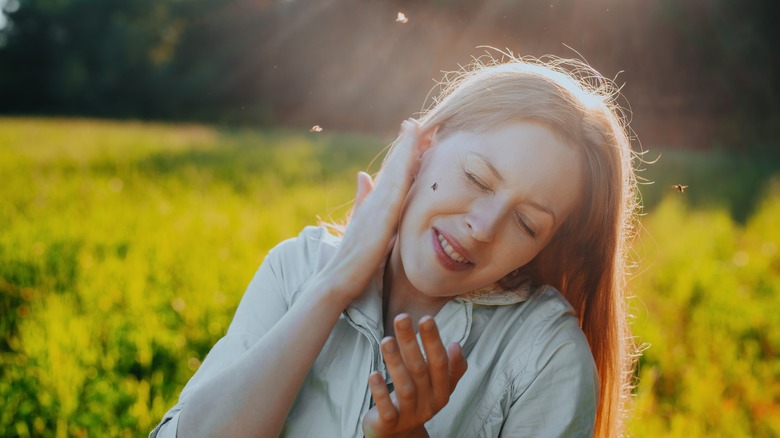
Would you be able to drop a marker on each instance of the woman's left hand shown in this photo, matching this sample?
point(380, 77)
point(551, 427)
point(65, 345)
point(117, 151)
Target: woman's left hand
point(422, 388)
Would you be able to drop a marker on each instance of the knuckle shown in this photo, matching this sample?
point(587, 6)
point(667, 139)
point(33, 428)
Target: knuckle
point(417, 369)
point(441, 401)
point(388, 415)
point(438, 362)
point(428, 411)
point(406, 390)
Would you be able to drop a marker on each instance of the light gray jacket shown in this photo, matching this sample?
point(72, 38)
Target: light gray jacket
point(530, 374)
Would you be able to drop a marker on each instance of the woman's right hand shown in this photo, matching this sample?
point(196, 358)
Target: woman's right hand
point(376, 214)
point(275, 366)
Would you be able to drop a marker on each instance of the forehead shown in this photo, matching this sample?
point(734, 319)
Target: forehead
point(514, 144)
point(530, 159)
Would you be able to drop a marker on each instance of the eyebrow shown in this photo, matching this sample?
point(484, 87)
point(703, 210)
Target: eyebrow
point(489, 165)
point(543, 209)
point(498, 176)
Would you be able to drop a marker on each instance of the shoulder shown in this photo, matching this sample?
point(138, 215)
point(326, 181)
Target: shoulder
point(561, 354)
point(309, 243)
point(292, 262)
point(545, 314)
point(531, 371)
point(558, 396)
point(540, 333)
point(306, 253)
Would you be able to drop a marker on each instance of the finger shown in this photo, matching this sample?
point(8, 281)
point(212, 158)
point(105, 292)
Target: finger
point(384, 404)
point(416, 144)
point(408, 126)
point(405, 389)
point(391, 243)
point(364, 186)
point(438, 361)
point(411, 354)
point(403, 154)
point(426, 140)
point(457, 364)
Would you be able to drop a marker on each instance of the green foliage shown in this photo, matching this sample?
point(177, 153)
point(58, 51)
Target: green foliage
point(125, 247)
point(122, 58)
point(707, 300)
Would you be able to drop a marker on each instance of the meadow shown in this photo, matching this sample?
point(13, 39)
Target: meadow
point(125, 247)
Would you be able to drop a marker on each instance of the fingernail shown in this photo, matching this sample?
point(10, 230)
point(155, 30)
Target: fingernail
point(388, 345)
point(426, 324)
point(403, 321)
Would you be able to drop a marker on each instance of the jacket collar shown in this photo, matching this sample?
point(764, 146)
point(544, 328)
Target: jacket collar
point(365, 313)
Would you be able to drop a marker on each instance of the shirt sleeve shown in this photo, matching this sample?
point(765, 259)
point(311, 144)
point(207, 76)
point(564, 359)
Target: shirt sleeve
point(561, 401)
point(270, 293)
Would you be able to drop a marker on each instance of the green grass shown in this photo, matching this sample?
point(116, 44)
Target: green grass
point(708, 294)
point(125, 247)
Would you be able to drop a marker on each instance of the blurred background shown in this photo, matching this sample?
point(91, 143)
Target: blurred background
point(699, 73)
point(153, 151)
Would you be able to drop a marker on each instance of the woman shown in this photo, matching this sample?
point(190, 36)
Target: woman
point(478, 289)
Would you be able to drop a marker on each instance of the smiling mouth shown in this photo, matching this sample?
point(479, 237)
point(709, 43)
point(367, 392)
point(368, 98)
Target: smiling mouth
point(450, 251)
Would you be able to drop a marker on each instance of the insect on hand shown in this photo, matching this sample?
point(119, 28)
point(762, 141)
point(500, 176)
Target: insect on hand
point(679, 187)
point(434, 186)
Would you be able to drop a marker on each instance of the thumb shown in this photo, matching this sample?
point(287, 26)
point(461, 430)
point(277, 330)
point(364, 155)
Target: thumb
point(364, 186)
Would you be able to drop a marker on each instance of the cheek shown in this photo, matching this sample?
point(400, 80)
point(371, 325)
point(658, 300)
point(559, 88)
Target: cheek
point(519, 252)
point(415, 212)
point(430, 188)
point(438, 190)
point(413, 201)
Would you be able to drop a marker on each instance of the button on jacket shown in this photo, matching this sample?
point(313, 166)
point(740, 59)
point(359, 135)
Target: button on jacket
point(530, 370)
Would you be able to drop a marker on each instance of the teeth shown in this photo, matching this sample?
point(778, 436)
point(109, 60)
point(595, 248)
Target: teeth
point(454, 255)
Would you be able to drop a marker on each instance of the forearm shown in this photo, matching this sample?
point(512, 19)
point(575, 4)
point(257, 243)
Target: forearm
point(254, 394)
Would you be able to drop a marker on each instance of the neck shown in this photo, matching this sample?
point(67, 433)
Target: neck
point(400, 296)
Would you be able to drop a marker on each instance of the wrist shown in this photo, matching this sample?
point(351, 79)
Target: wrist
point(419, 432)
point(331, 293)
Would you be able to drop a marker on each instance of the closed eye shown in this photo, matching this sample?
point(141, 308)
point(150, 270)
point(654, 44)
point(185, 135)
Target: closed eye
point(524, 225)
point(477, 182)
point(521, 221)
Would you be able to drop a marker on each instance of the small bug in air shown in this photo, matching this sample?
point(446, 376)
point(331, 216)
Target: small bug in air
point(435, 186)
point(679, 187)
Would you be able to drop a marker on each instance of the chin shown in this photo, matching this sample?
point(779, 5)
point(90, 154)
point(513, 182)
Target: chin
point(432, 285)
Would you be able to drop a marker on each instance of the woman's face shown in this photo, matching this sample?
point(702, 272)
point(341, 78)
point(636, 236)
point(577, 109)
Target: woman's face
point(483, 205)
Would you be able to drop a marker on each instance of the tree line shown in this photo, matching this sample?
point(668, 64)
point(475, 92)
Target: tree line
point(706, 68)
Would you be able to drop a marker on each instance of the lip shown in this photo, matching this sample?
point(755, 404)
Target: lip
point(442, 256)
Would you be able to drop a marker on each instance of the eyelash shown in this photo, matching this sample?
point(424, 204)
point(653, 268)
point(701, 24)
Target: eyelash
point(527, 228)
point(476, 181)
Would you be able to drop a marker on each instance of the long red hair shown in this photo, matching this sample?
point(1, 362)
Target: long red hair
point(586, 260)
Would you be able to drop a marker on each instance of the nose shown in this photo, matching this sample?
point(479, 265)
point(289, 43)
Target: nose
point(484, 219)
